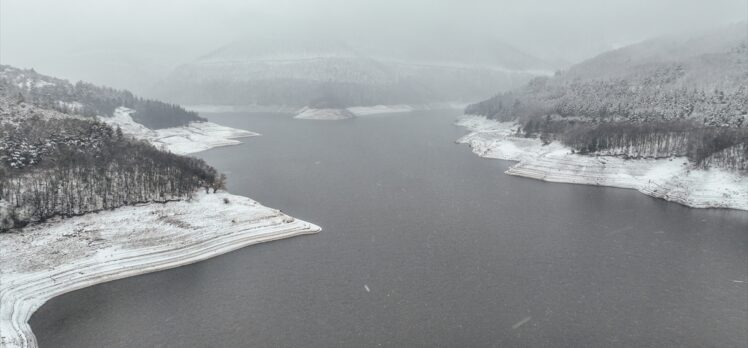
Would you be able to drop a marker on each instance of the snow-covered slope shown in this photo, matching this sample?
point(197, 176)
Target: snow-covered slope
point(194, 137)
point(50, 259)
point(702, 77)
point(707, 60)
point(671, 179)
point(380, 109)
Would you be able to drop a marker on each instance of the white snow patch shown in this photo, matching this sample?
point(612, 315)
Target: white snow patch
point(73, 106)
point(326, 114)
point(672, 179)
point(380, 109)
point(42, 83)
point(50, 259)
point(356, 110)
point(30, 83)
point(194, 137)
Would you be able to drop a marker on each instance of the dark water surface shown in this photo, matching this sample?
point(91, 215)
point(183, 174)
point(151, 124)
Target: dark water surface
point(454, 254)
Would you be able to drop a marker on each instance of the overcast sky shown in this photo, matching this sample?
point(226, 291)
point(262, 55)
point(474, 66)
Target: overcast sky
point(83, 39)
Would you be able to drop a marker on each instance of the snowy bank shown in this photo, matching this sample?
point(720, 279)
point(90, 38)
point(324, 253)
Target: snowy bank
point(671, 179)
point(380, 109)
point(326, 114)
point(50, 259)
point(194, 137)
point(315, 112)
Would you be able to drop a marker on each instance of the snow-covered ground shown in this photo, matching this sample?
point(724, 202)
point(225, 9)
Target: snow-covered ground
point(672, 179)
point(380, 109)
point(49, 259)
point(308, 113)
point(194, 137)
point(355, 110)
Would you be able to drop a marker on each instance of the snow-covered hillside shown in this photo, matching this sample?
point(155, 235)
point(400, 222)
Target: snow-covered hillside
point(86, 99)
point(709, 60)
point(703, 77)
point(671, 96)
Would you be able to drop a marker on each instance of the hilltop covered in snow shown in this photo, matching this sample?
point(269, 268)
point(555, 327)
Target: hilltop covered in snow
point(667, 117)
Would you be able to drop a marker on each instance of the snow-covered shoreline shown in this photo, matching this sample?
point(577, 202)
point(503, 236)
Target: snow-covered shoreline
point(356, 110)
point(50, 259)
point(671, 179)
point(194, 137)
point(324, 114)
point(381, 109)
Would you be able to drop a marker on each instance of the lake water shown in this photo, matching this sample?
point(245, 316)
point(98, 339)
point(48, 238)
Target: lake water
point(426, 244)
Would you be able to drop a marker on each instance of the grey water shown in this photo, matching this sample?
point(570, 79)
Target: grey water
point(426, 244)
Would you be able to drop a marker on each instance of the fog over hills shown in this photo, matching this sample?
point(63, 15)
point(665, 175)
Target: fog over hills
point(299, 69)
point(712, 59)
point(131, 44)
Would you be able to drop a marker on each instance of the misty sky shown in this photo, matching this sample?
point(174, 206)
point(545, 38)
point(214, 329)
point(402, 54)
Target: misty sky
point(92, 39)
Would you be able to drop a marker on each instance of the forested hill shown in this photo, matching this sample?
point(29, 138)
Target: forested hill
point(688, 95)
point(56, 164)
point(89, 100)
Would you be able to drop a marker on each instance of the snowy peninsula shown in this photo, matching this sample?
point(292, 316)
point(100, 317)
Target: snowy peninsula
point(193, 137)
point(326, 114)
point(49, 259)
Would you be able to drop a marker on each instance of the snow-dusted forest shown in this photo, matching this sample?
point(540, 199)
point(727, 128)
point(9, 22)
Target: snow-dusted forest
point(53, 164)
point(660, 98)
point(87, 99)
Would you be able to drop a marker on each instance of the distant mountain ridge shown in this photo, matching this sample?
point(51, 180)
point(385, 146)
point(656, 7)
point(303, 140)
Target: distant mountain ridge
point(300, 71)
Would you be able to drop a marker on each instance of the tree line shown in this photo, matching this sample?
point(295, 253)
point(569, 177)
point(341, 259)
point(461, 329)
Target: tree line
point(67, 167)
point(90, 100)
point(704, 146)
point(646, 119)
